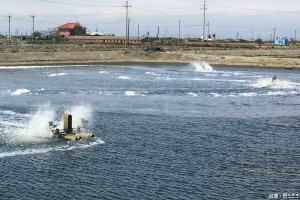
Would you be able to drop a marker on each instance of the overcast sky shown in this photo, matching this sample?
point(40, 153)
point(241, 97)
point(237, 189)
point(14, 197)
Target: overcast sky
point(227, 18)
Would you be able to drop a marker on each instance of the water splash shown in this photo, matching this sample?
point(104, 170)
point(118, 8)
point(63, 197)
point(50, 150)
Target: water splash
point(131, 93)
point(78, 113)
point(35, 128)
point(38, 126)
point(20, 91)
point(192, 94)
point(201, 67)
point(124, 77)
point(277, 84)
point(59, 74)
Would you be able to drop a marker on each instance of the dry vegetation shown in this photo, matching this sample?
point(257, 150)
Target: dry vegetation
point(215, 53)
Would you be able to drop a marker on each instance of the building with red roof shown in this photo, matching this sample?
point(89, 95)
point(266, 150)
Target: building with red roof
point(71, 29)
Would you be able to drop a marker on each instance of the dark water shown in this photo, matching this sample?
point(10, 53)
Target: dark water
point(167, 132)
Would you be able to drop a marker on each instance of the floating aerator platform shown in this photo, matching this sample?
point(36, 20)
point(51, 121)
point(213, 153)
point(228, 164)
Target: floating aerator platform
point(68, 132)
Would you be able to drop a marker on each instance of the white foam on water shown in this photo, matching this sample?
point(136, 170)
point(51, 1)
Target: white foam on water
point(201, 67)
point(124, 77)
point(151, 73)
point(192, 94)
point(248, 94)
point(102, 72)
point(7, 112)
point(167, 78)
point(199, 79)
point(59, 74)
point(50, 149)
point(215, 94)
point(23, 152)
point(19, 92)
point(12, 113)
point(132, 93)
point(278, 93)
point(277, 84)
point(241, 81)
point(245, 94)
point(106, 93)
point(12, 124)
point(210, 75)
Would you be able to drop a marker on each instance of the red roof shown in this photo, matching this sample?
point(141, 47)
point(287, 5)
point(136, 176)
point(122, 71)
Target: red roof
point(69, 26)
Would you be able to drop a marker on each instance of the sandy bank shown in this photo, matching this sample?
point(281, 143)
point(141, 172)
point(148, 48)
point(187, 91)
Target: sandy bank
point(247, 58)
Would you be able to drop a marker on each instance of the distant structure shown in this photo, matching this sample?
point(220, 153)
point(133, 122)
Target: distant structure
point(95, 33)
point(281, 42)
point(106, 39)
point(71, 29)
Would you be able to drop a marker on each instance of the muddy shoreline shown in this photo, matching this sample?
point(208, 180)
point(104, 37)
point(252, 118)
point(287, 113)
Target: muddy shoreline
point(268, 58)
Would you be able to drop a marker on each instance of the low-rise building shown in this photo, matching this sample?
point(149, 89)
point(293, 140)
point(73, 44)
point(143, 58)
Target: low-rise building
point(71, 29)
point(106, 39)
point(281, 42)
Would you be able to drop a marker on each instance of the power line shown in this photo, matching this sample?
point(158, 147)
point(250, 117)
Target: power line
point(259, 10)
point(77, 4)
point(156, 22)
point(116, 22)
point(21, 19)
point(238, 27)
point(142, 10)
point(81, 15)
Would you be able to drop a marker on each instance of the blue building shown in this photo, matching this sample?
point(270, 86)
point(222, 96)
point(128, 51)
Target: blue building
point(281, 42)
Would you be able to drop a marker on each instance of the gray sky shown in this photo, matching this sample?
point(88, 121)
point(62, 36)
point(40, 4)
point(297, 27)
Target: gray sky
point(227, 18)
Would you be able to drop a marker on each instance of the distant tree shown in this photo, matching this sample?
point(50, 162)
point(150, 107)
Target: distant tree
point(37, 34)
point(79, 30)
point(258, 41)
point(214, 36)
point(52, 34)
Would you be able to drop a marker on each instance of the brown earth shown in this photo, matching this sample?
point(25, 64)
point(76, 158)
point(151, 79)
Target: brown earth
point(55, 54)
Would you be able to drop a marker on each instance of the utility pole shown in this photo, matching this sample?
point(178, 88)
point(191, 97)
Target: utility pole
point(128, 31)
point(32, 26)
point(179, 34)
point(138, 34)
point(9, 17)
point(207, 32)
point(148, 35)
point(204, 9)
point(127, 28)
point(274, 38)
